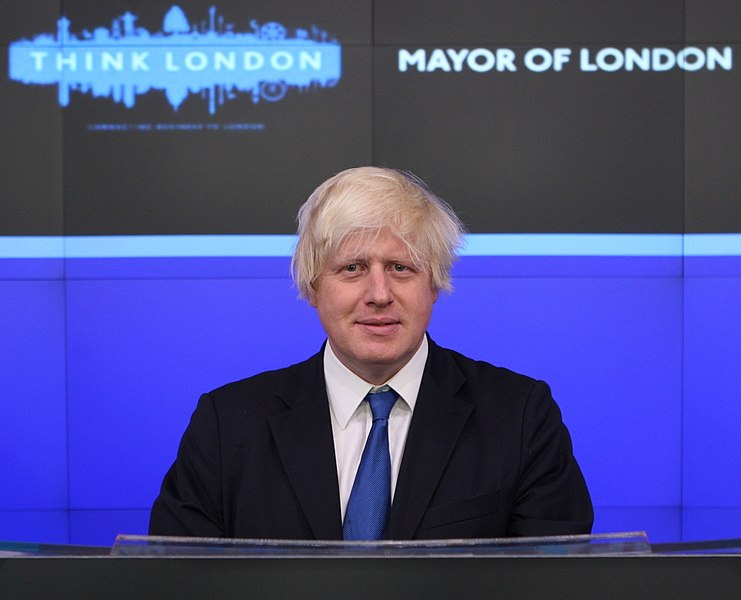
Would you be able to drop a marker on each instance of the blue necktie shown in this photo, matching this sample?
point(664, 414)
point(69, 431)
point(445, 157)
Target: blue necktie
point(370, 500)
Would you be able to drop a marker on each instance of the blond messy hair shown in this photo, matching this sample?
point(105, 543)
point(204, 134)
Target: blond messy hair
point(369, 200)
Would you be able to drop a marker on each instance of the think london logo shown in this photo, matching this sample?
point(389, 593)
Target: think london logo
point(209, 58)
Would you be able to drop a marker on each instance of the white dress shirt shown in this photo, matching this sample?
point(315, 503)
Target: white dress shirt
point(352, 418)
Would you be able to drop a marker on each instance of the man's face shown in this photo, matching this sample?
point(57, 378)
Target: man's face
point(375, 307)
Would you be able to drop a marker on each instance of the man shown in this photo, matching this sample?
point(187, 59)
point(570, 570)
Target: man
point(468, 450)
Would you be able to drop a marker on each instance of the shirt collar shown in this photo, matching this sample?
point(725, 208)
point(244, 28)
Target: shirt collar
point(346, 390)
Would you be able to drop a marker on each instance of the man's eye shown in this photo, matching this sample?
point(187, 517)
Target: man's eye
point(352, 268)
point(400, 268)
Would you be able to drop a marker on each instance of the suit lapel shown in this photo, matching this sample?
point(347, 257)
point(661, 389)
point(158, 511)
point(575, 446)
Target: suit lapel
point(439, 418)
point(303, 438)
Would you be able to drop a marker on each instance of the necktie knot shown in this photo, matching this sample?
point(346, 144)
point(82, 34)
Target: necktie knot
point(381, 403)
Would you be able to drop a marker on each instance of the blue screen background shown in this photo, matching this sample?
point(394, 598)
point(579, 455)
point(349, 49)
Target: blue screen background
point(103, 367)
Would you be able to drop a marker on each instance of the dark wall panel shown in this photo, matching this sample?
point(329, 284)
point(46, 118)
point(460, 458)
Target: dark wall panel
point(713, 151)
point(522, 151)
point(528, 21)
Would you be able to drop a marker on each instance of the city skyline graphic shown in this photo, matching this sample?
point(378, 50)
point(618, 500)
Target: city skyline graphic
point(210, 58)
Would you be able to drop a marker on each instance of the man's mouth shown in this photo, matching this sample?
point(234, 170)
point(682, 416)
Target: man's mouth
point(379, 326)
point(378, 323)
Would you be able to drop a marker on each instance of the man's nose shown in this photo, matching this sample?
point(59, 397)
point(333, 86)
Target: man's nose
point(379, 289)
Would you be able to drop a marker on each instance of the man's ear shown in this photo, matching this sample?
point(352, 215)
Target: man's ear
point(311, 298)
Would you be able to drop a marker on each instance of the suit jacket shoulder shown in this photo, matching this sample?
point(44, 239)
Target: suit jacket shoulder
point(270, 391)
point(487, 455)
point(256, 461)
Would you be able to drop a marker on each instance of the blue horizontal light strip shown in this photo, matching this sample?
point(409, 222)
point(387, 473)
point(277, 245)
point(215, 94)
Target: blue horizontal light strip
point(170, 246)
point(202, 246)
point(712, 244)
point(580, 244)
point(32, 247)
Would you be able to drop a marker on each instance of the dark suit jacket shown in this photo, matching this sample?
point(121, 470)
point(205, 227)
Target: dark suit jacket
point(486, 456)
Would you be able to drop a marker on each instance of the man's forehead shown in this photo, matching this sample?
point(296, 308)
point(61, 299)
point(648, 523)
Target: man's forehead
point(362, 244)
